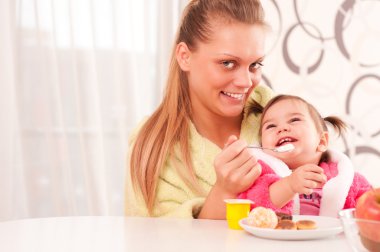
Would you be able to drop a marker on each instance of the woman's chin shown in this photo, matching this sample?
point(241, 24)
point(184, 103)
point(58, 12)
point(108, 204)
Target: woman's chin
point(232, 113)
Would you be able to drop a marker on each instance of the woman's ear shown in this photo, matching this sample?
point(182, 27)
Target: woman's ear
point(183, 54)
point(323, 142)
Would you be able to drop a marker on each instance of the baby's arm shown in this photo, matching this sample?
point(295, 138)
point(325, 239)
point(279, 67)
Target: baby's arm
point(303, 180)
point(259, 191)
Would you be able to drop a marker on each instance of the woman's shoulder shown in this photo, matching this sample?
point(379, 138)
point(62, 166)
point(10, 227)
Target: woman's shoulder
point(251, 121)
point(261, 94)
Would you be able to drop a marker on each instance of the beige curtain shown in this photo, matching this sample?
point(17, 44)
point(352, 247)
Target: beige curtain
point(76, 77)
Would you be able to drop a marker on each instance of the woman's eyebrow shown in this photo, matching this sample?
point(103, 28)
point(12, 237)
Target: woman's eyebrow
point(229, 55)
point(260, 59)
point(236, 57)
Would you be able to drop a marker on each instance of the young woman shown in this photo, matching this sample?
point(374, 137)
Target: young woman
point(191, 153)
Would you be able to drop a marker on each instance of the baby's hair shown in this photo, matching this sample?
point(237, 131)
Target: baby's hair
point(338, 124)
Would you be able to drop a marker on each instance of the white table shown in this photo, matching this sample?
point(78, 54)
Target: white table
point(100, 233)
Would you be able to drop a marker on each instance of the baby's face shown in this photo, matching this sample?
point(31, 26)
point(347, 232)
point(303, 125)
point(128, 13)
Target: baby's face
point(289, 121)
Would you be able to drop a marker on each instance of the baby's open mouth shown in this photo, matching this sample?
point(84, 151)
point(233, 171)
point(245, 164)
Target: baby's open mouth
point(285, 140)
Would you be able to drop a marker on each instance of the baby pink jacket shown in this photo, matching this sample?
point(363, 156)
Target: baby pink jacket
point(259, 191)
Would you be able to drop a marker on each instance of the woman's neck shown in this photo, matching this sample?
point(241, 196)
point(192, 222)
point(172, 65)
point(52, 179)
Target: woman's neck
point(217, 129)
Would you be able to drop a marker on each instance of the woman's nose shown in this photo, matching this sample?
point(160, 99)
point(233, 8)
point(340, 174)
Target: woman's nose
point(244, 79)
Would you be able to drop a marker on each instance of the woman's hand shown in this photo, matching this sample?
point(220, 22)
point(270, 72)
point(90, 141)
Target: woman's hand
point(306, 178)
point(236, 169)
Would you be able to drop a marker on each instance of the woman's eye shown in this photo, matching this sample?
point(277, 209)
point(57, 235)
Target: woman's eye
point(228, 64)
point(256, 65)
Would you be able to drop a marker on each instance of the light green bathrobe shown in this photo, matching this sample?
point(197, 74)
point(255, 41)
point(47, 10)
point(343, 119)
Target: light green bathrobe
point(174, 198)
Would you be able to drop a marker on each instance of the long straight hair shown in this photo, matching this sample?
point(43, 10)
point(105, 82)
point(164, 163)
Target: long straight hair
point(168, 127)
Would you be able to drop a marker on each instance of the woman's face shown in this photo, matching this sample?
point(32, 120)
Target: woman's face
point(289, 121)
point(223, 71)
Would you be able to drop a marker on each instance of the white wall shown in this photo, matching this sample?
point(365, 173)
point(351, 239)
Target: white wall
point(328, 52)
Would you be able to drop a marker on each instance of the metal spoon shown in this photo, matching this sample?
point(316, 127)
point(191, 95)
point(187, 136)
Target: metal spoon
point(282, 148)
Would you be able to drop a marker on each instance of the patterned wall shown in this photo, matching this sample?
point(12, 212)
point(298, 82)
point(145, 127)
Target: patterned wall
point(328, 52)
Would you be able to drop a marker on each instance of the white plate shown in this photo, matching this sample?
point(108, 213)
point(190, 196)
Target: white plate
point(326, 226)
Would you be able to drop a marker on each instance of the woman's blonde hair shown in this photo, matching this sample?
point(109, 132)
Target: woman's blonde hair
point(169, 124)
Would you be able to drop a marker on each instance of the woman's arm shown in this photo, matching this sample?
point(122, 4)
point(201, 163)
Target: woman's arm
point(214, 206)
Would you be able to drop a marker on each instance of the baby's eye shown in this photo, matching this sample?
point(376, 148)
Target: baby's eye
point(256, 65)
point(270, 126)
point(228, 64)
point(295, 119)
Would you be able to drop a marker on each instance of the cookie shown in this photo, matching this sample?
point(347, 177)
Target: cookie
point(284, 216)
point(306, 224)
point(286, 225)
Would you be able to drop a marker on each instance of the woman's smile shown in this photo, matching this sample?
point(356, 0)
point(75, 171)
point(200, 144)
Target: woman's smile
point(236, 96)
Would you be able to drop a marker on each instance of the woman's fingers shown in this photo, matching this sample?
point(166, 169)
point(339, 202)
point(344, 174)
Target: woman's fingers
point(236, 168)
point(231, 150)
point(245, 173)
point(243, 161)
point(254, 173)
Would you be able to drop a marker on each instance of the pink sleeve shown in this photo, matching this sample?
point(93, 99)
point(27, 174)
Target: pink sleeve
point(259, 191)
point(359, 186)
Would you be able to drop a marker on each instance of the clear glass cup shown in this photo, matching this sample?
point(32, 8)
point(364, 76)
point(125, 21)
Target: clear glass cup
point(361, 234)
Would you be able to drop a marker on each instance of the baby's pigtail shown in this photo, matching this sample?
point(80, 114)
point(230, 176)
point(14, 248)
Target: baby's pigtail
point(339, 125)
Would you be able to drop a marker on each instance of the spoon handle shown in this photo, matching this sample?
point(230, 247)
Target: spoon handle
point(259, 147)
point(283, 148)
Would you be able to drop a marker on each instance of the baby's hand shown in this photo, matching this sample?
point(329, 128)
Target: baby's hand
point(306, 178)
